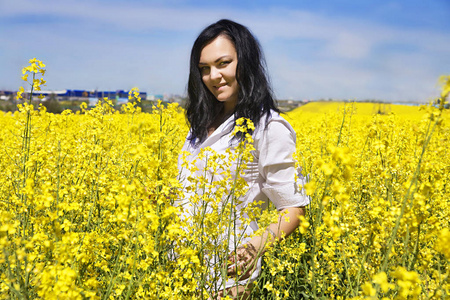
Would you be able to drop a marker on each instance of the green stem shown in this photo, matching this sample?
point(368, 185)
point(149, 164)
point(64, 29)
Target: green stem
point(361, 265)
point(393, 236)
point(416, 249)
point(26, 143)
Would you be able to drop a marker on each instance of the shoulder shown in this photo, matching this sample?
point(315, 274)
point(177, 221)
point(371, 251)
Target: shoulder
point(275, 125)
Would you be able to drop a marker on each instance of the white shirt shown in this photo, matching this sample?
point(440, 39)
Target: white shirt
point(270, 176)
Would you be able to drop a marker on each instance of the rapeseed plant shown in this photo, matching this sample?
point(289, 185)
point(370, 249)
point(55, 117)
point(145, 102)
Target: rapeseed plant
point(90, 205)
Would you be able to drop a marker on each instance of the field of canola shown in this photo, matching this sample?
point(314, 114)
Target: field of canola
point(86, 207)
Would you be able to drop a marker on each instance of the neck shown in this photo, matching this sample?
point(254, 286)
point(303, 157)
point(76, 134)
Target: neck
point(228, 108)
point(226, 113)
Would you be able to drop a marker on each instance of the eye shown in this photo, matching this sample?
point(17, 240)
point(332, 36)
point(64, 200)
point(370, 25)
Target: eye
point(224, 63)
point(203, 69)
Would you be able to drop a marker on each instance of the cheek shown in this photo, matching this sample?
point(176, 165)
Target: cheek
point(207, 84)
point(205, 80)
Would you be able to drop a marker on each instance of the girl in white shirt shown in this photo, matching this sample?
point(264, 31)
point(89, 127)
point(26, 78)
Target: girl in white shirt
point(228, 81)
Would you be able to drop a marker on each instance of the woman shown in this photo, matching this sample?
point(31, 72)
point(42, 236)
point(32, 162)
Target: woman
point(227, 81)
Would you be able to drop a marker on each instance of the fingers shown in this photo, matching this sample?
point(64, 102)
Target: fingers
point(242, 262)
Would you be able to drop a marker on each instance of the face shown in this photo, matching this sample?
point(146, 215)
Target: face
point(218, 63)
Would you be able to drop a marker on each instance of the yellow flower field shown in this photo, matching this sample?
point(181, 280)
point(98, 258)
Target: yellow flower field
point(380, 210)
point(364, 108)
point(87, 206)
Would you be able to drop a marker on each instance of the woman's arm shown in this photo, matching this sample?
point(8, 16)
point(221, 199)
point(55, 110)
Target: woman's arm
point(276, 165)
point(288, 221)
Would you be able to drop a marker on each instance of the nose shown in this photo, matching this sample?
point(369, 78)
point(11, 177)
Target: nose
point(215, 74)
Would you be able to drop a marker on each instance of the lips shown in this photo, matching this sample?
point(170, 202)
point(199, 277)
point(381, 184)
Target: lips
point(217, 87)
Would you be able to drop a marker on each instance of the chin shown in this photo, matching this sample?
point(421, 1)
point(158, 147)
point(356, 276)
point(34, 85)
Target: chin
point(221, 98)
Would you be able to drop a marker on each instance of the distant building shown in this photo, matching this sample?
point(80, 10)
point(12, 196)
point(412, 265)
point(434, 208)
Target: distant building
point(121, 96)
point(6, 95)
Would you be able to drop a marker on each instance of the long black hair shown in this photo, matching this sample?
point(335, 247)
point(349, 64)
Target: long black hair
point(255, 99)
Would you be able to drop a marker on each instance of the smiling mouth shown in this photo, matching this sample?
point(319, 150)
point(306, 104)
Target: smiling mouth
point(219, 86)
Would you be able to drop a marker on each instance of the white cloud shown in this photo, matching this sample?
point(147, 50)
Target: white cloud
point(120, 15)
point(310, 55)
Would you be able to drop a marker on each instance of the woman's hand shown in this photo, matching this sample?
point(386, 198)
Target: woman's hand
point(242, 262)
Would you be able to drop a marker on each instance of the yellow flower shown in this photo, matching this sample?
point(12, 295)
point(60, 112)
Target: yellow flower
point(327, 169)
point(20, 92)
point(443, 242)
point(310, 187)
point(268, 286)
point(444, 80)
point(304, 224)
point(368, 289)
point(381, 280)
point(134, 94)
point(408, 281)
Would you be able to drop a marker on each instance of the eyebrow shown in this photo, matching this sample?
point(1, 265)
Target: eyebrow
point(217, 60)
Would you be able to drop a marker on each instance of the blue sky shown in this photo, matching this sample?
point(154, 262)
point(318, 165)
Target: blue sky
point(387, 50)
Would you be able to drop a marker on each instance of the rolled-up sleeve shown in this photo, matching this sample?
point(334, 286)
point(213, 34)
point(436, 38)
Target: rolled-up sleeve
point(277, 166)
